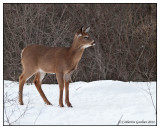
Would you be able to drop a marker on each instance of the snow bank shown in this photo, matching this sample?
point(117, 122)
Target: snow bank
point(104, 102)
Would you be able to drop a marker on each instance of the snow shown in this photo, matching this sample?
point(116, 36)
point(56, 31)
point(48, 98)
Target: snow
point(103, 102)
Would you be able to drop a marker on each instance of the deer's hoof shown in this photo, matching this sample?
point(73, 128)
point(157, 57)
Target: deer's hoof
point(48, 103)
point(61, 105)
point(69, 104)
point(21, 103)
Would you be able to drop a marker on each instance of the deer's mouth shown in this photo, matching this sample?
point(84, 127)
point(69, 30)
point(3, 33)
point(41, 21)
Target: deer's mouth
point(89, 45)
point(86, 46)
point(93, 44)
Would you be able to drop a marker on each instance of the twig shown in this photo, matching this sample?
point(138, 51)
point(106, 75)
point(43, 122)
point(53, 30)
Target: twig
point(21, 114)
point(37, 116)
point(12, 102)
point(78, 88)
point(120, 120)
point(152, 99)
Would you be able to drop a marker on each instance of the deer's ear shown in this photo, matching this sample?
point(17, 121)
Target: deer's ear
point(82, 29)
point(87, 30)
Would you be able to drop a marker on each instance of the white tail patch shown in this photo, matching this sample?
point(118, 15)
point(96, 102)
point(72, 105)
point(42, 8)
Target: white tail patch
point(42, 75)
point(21, 53)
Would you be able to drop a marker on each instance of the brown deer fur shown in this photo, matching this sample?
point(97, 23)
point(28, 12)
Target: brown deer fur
point(38, 60)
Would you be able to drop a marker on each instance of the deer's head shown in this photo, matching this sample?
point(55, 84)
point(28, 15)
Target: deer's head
point(82, 38)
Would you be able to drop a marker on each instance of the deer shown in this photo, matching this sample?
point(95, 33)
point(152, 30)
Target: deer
point(38, 60)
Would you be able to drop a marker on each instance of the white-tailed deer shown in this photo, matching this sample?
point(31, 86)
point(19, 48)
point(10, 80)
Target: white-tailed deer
point(39, 60)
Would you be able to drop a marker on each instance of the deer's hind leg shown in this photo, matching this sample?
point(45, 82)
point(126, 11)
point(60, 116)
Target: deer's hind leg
point(22, 79)
point(37, 81)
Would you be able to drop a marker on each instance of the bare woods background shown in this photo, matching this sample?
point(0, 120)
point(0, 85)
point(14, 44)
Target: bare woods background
point(125, 36)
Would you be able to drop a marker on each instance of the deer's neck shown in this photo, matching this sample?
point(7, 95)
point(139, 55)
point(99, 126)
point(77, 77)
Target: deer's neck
point(76, 51)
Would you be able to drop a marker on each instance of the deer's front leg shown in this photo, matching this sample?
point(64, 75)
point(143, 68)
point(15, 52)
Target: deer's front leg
point(61, 87)
point(67, 94)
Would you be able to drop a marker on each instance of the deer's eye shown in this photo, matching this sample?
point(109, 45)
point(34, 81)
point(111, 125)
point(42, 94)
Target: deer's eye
point(86, 37)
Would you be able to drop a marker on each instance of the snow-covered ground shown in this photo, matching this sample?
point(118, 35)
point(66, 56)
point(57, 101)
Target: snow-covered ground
point(104, 102)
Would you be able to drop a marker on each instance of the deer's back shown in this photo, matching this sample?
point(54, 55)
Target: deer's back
point(43, 57)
